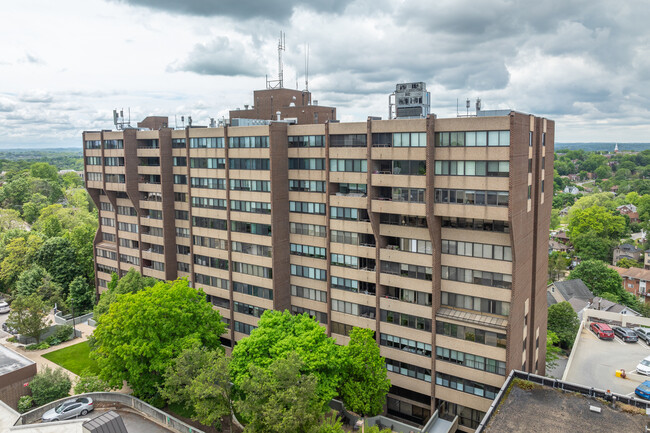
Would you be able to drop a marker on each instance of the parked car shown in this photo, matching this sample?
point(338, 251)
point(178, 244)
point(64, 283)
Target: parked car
point(69, 409)
point(644, 366)
point(602, 331)
point(643, 390)
point(8, 329)
point(4, 307)
point(643, 333)
point(625, 334)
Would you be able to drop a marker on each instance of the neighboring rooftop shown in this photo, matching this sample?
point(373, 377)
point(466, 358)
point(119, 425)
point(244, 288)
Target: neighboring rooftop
point(11, 361)
point(633, 273)
point(573, 289)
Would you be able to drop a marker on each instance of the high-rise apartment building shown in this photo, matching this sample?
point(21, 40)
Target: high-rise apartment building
point(431, 232)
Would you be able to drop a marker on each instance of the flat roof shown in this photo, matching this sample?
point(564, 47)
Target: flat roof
point(548, 410)
point(11, 361)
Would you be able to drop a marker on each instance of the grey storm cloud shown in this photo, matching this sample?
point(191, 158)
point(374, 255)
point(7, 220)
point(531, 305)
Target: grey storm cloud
point(221, 56)
point(277, 10)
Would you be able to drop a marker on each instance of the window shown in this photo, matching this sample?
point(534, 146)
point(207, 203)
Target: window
point(258, 271)
point(209, 203)
point(471, 276)
point(250, 185)
point(113, 144)
point(405, 320)
point(183, 250)
point(182, 232)
point(149, 162)
point(341, 328)
point(106, 206)
point(471, 334)
point(178, 143)
point(349, 214)
point(405, 344)
point(318, 315)
point(248, 142)
point(406, 270)
point(253, 228)
point(204, 241)
point(181, 214)
point(472, 139)
point(207, 162)
point(476, 224)
point(115, 178)
point(466, 385)
point(250, 206)
point(307, 141)
point(354, 309)
point(482, 305)
point(412, 195)
point(244, 328)
point(358, 189)
point(249, 289)
point(253, 249)
point(207, 280)
point(180, 196)
point(248, 164)
point(126, 210)
point(351, 238)
point(408, 370)
point(210, 223)
point(308, 251)
point(206, 142)
point(472, 168)
point(112, 255)
point(306, 164)
point(402, 220)
point(180, 179)
point(93, 144)
point(410, 139)
point(109, 237)
point(211, 262)
point(348, 140)
point(309, 293)
point(114, 161)
point(307, 207)
point(349, 165)
point(250, 310)
point(152, 231)
point(208, 182)
point(407, 295)
point(96, 177)
point(217, 301)
point(309, 272)
point(130, 259)
point(353, 262)
point(307, 229)
point(353, 285)
point(183, 267)
point(474, 249)
point(306, 185)
point(470, 197)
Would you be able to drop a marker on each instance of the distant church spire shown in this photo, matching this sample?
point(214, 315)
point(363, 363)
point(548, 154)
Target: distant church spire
point(616, 148)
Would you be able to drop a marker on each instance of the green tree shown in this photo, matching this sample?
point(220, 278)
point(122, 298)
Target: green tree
point(28, 316)
point(50, 227)
point(633, 198)
point(19, 253)
point(628, 263)
point(590, 246)
point(30, 281)
point(364, 383)
point(49, 385)
point(332, 424)
point(598, 220)
point(552, 350)
point(59, 258)
point(280, 398)
point(15, 192)
point(32, 209)
point(71, 180)
point(81, 295)
point(598, 277)
point(563, 321)
point(603, 172)
point(199, 379)
point(89, 382)
point(278, 334)
point(132, 282)
point(557, 264)
point(555, 219)
point(140, 335)
point(43, 170)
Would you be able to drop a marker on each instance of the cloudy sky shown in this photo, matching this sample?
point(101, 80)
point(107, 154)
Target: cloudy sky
point(65, 65)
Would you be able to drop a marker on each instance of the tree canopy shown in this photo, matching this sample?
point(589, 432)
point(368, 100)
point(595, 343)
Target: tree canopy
point(140, 335)
point(598, 277)
point(563, 321)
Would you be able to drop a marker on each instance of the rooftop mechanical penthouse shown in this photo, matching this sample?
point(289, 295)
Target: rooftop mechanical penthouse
point(431, 232)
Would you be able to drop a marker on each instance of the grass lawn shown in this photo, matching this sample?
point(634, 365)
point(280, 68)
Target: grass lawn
point(74, 358)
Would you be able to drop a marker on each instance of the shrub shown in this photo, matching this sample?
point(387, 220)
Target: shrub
point(25, 403)
point(12, 340)
point(88, 382)
point(37, 346)
point(63, 333)
point(49, 385)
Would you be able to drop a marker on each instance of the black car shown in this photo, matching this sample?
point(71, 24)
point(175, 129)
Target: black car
point(643, 333)
point(625, 334)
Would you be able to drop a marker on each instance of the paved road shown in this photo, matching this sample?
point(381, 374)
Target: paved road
point(595, 363)
point(133, 422)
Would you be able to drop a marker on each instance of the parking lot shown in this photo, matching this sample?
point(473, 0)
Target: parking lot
point(595, 363)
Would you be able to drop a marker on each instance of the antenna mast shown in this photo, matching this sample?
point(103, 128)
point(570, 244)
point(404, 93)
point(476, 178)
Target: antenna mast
point(279, 83)
point(307, 68)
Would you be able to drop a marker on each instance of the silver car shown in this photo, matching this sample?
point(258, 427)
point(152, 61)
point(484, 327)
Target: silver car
point(4, 307)
point(643, 333)
point(69, 409)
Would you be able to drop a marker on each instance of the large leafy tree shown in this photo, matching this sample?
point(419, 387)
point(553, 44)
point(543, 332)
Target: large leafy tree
point(199, 379)
point(364, 383)
point(281, 397)
point(596, 219)
point(32, 209)
point(591, 246)
point(563, 321)
point(141, 334)
point(278, 334)
point(132, 282)
point(81, 295)
point(19, 253)
point(43, 170)
point(28, 316)
point(59, 258)
point(598, 277)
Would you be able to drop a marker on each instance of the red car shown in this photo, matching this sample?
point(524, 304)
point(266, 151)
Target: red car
point(602, 331)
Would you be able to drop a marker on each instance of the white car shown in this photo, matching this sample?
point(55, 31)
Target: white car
point(644, 366)
point(4, 308)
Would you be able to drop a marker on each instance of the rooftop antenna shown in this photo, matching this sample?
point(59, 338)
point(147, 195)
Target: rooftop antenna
point(279, 83)
point(307, 67)
point(118, 119)
point(467, 105)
